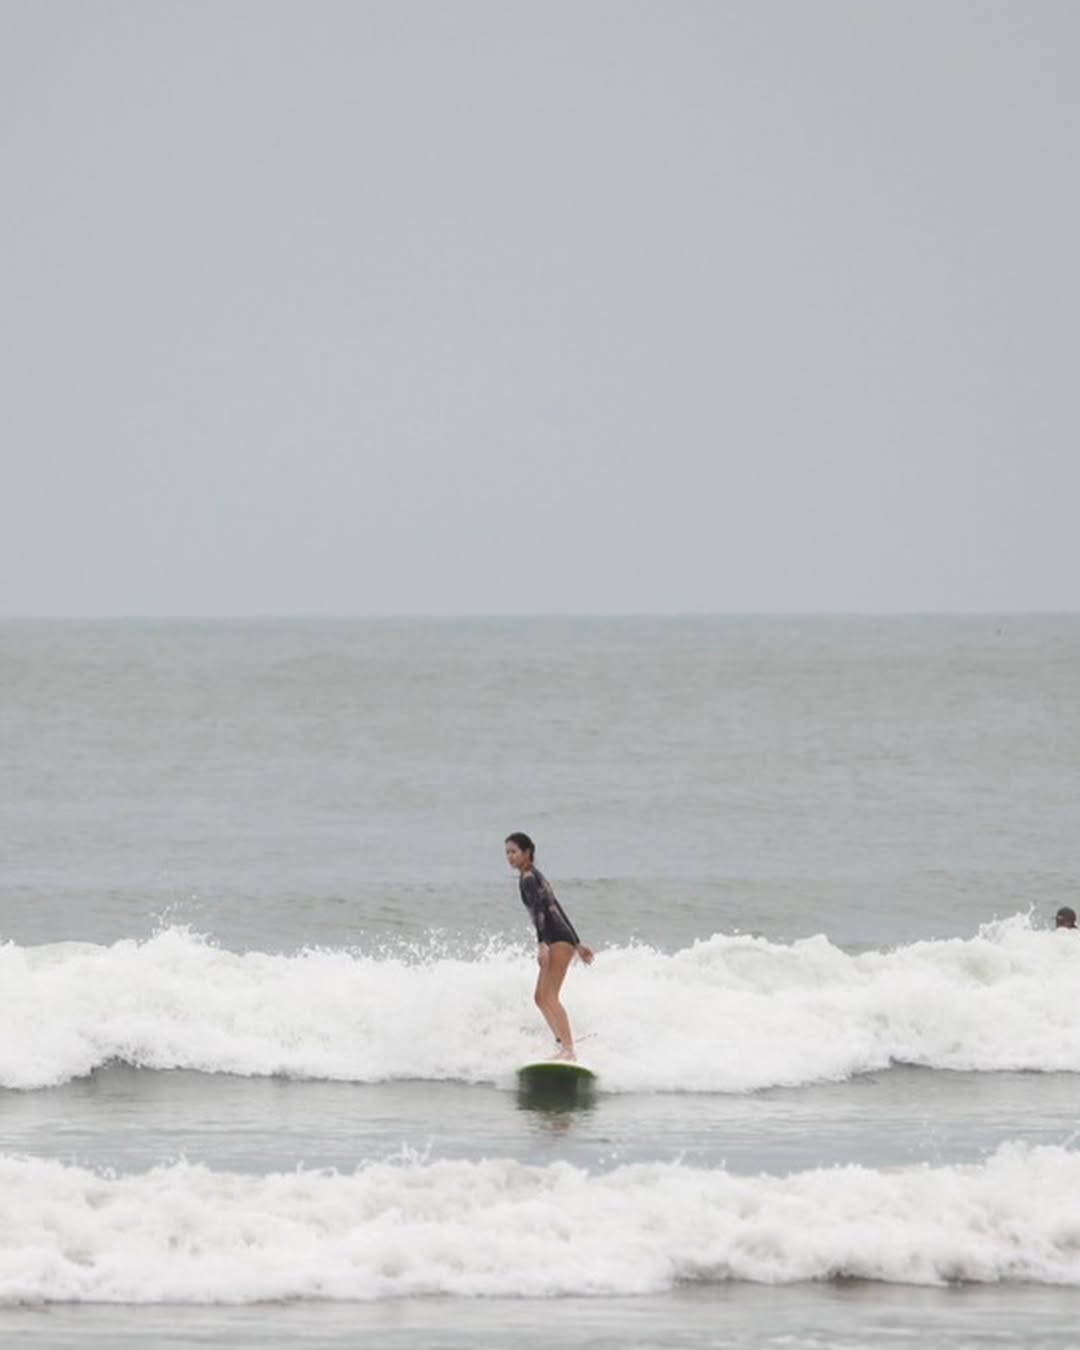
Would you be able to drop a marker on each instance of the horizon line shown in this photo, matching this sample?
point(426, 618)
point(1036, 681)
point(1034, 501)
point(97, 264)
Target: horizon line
point(300, 616)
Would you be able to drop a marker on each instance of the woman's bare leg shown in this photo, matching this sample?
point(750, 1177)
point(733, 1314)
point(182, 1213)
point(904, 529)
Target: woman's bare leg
point(541, 1000)
point(560, 954)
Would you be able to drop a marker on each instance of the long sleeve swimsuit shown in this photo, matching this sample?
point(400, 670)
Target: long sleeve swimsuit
point(547, 914)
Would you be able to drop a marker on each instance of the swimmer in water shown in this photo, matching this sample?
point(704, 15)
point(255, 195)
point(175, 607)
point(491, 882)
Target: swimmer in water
point(1065, 917)
point(557, 940)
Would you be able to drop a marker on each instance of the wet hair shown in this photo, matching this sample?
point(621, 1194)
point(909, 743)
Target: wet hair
point(523, 842)
point(1065, 917)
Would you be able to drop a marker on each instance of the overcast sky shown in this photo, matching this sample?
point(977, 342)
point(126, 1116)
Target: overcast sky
point(353, 308)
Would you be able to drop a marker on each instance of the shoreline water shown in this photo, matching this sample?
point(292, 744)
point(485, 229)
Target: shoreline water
point(841, 1316)
point(891, 1118)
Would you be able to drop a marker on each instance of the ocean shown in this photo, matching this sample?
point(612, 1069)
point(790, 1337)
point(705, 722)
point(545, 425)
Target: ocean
point(265, 979)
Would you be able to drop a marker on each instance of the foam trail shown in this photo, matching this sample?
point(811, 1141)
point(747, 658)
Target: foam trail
point(499, 1228)
point(729, 1014)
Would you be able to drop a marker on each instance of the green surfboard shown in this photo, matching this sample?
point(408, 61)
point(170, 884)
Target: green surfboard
point(556, 1080)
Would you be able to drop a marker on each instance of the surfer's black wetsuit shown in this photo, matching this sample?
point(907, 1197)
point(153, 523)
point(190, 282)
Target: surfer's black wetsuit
point(548, 915)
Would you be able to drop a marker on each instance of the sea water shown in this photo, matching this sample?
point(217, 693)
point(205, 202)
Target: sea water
point(264, 980)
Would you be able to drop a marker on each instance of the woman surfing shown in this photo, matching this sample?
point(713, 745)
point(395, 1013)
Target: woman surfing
point(556, 937)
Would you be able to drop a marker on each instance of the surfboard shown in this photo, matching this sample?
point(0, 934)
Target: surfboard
point(556, 1078)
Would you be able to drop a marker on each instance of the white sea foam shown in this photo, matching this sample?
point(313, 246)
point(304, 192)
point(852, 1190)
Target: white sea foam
point(183, 1233)
point(727, 1014)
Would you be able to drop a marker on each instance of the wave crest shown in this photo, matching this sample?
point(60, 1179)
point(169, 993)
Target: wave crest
point(728, 1014)
point(499, 1228)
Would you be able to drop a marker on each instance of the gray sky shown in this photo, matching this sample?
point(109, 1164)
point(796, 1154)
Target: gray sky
point(351, 308)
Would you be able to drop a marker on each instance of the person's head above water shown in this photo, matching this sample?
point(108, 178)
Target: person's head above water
point(1065, 917)
point(519, 850)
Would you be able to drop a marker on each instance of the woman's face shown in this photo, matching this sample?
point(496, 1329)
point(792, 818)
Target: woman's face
point(516, 857)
